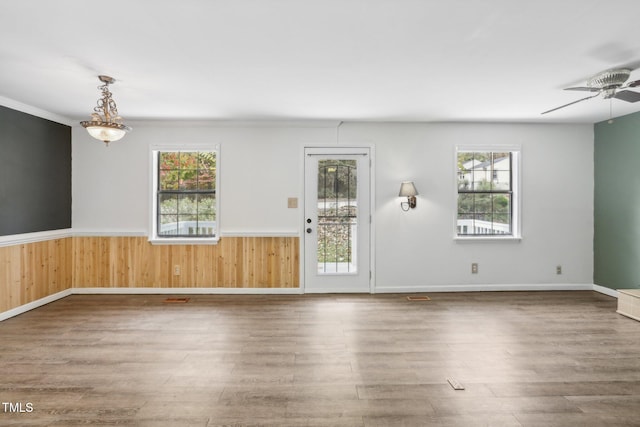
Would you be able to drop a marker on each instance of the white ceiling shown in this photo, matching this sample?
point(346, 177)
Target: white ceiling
point(382, 60)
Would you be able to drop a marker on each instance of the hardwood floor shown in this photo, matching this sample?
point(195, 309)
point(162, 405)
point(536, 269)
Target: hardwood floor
point(525, 359)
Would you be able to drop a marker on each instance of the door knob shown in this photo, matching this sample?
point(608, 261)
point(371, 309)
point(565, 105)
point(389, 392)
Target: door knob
point(308, 230)
point(308, 220)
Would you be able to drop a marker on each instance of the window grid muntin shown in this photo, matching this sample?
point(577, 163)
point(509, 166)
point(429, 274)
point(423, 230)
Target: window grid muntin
point(463, 229)
point(209, 231)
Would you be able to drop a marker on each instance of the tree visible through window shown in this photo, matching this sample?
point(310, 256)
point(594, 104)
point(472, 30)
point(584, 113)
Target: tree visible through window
point(186, 194)
point(485, 193)
point(337, 215)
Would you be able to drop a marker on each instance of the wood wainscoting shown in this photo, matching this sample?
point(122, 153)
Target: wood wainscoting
point(235, 262)
point(31, 271)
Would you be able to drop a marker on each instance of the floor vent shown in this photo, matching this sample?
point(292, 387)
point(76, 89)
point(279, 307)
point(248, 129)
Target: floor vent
point(419, 298)
point(455, 384)
point(176, 300)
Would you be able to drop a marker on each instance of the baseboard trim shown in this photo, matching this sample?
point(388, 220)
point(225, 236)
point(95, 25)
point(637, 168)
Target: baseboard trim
point(487, 288)
point(34, 304)
point(187, 291)
point(336, 291)
point(606, 291)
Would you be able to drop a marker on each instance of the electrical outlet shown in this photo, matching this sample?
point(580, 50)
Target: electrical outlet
point(474, 268)
point(558, 269)
point(292, 202)
point(176, 270)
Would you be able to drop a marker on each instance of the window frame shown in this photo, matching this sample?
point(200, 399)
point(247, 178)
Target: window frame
point(516, 191)
point(153, 236)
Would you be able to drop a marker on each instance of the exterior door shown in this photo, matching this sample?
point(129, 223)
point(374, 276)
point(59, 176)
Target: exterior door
point(337, 220)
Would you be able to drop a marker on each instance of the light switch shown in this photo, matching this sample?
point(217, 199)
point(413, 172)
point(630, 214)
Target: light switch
point(292, 202)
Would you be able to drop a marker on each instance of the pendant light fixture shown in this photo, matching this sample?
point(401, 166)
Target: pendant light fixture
point(105, 124)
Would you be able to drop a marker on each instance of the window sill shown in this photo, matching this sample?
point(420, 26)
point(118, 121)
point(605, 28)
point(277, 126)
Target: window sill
point(184, 241)
point(515, 239)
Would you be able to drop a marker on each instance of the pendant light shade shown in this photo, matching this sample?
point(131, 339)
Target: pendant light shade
point(105, 131)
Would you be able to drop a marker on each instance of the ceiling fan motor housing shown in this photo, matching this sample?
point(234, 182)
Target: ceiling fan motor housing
point(610, 79)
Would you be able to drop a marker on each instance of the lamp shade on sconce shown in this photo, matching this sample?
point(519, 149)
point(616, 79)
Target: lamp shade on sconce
point(408, 189)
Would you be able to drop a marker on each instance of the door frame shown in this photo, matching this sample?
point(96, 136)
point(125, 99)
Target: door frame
point(301, 216)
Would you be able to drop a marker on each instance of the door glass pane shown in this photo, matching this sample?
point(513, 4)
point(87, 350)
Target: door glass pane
point(337, 216)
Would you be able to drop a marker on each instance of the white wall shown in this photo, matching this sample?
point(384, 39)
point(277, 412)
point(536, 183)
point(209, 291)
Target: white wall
point(261, 168)
point(259, 171)
point(417, 248)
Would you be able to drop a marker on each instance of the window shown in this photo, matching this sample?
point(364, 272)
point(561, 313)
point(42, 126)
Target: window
point(487, 204)
point(185, 199)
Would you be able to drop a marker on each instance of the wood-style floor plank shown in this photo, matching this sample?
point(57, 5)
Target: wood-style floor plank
point(524, 358)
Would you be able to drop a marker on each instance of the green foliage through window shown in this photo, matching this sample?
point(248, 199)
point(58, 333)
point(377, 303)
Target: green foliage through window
point(186, 193)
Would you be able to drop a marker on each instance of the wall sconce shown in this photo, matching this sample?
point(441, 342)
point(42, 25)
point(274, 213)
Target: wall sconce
point(408, 190)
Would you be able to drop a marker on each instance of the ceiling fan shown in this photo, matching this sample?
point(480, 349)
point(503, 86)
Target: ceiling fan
point(609, 84)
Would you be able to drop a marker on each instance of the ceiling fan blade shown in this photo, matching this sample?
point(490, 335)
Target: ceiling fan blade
point(571, 103)
point(633, 83)
point(627, 95)
point(584, 88)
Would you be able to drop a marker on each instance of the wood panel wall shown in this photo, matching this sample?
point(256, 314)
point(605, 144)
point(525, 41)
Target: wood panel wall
point(32, 271)
point(235, 262)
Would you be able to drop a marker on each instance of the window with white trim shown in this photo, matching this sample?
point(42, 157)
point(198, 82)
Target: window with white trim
point(487, 193)
point(184, 195)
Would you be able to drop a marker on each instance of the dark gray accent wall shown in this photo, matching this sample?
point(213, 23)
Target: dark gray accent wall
point(35, 173)
point(617, 203)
